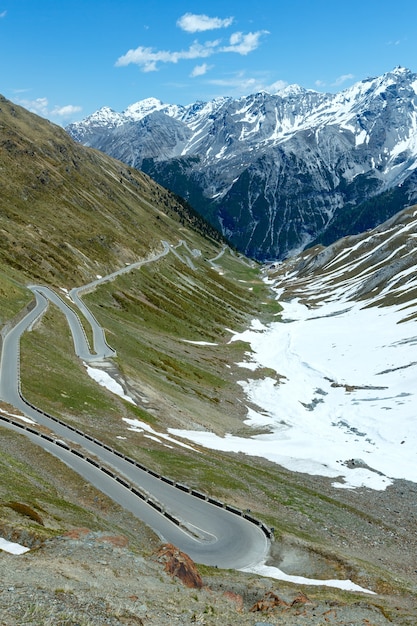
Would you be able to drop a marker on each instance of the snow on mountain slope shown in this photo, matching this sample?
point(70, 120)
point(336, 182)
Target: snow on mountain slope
point(284, 114)
point(343, 401)
point(273, 171)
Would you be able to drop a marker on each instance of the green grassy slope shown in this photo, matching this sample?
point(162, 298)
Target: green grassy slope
point(68, 213)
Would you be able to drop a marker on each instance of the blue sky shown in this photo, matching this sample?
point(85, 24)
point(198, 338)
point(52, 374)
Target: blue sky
point(66, 59)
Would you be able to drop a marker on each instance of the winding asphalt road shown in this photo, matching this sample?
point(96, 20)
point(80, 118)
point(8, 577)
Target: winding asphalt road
point(209, 534)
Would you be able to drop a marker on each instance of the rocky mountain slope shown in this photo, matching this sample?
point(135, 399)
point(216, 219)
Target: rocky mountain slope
point(89, 578)
point(377, 268)
point(277, 172)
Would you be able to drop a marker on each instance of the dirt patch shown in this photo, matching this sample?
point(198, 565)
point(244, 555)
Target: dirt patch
point(118, 541)
point(83, 578)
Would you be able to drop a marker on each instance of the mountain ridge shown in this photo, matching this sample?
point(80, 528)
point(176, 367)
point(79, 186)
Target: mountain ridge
point(272, 171)
point(47, 203)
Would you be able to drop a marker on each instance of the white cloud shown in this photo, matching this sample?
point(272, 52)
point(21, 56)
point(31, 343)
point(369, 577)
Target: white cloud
point(200, 70)
point(243, 44)
point(239, 84)
point(193, 23)
point(277, 86)
point(148, 58)
point(342, 79)
point(320, 83)
point(3, 14)
point(66, 111)
point(40, 106)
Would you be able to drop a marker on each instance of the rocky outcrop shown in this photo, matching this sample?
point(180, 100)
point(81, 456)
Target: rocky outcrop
point(268, 603)
point(179, 565)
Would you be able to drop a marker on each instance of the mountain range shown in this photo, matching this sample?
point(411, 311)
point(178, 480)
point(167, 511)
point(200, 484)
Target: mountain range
point(276, 172)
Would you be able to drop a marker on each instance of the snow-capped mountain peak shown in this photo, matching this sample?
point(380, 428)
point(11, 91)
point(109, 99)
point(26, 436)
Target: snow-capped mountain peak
point(291, 91)
point(275, 170)
point(141, 109)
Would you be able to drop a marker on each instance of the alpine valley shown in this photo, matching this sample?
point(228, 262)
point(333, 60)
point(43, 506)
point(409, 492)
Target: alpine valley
point(277, 172)
point(284, 392)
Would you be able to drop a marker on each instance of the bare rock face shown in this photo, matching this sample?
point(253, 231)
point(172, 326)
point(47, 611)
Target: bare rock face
point(179, 564)
point(301, 600)
point(299, 606)
point(235, 599)
point(268, 603)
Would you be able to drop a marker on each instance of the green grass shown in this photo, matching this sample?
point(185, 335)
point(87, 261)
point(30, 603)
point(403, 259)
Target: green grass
point(13, 297)
point(52, 374)
point(36, 484)
point(69, 213)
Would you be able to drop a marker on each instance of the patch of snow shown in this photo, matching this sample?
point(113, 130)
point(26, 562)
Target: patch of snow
point(248, 365)
point(12, 547)
point(152, 438)
point(291, 91)
point(256, 325)
point(220, 153)
point(200, 343)
point(105, 380)
point(138, 426)
point(361, 138)
point(276, 573)
point(139, 110)
point(22, 418)
point(346, 390)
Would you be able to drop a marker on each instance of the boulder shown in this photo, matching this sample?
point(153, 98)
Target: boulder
point(179, 564)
